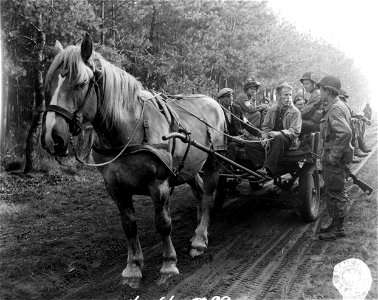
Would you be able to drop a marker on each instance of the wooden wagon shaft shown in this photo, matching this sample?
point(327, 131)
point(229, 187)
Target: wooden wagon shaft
point(184, 139)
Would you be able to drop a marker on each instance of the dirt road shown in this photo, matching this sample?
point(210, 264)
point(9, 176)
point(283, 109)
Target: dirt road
point(62, 238)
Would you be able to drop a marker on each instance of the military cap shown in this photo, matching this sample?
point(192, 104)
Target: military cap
point(224, 92)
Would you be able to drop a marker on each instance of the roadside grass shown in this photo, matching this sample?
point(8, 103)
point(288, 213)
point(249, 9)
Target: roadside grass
point(361, 242)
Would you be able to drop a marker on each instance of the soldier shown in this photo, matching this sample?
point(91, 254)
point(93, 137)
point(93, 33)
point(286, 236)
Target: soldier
point(312, 112)
point(283, 124)
point(234, 119)
point(337, 153)
point(368, 111)
point(249, 105)
point(357, 123)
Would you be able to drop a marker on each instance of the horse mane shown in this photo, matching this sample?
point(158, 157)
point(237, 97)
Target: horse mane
point(120, 89)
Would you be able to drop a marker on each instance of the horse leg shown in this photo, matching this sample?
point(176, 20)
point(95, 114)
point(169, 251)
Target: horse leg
point(196, 185)
point(159, 191)
point(210, 180)
point(132, 274)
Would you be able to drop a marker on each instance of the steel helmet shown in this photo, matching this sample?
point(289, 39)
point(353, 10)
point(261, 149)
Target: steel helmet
point(224, 92)
point(251, 83)
point(309, 76)
point(330, 82)
point(343, 94)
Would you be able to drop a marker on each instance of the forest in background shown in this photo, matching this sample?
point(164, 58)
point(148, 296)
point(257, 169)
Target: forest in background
point(174, 46)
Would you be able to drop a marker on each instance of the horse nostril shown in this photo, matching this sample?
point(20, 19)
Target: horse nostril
point(58, 140)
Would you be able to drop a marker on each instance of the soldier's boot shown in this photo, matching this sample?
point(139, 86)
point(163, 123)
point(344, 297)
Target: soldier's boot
point(362, 145)
point(329, 227)
point(337, 232)
point(359, 153)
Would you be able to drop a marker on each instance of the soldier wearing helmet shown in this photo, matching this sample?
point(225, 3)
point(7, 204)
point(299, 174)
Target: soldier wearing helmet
point(234, 120)
point(357, 125)
point(337, 153)
point(312, 112)
point(249, 105)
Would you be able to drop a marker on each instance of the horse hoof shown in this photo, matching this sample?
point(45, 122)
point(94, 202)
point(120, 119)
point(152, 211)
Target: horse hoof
point(197, 251)
point(133, 282)
point(132, 276)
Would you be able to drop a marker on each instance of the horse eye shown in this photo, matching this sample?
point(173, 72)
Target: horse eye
point(81, 84)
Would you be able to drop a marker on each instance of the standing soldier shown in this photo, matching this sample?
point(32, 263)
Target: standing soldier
point(368, 111)
point(312, 112)
point(337, 153)
point(249, 105)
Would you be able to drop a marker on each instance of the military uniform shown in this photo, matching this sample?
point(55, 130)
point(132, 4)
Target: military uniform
point(337, 152)
point(312, 113)
point(250, 109)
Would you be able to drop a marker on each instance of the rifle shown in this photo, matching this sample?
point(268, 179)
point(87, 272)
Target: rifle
point(362, 185)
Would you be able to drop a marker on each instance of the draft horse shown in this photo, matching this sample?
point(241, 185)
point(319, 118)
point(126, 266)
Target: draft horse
point(82, 85)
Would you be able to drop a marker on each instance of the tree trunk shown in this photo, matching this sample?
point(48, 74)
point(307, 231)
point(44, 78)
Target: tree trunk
point(103, 22)
point(35, 129)
point(4, 109)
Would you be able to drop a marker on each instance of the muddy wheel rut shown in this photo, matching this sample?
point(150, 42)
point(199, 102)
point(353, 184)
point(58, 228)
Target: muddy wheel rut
point(258, 249)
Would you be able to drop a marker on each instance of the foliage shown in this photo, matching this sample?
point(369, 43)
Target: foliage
point(177, 46)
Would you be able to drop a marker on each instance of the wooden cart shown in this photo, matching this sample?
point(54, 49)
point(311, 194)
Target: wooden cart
point(298, 164)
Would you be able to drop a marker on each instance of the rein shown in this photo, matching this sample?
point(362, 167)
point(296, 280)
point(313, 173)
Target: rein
point(207, 124)
point(127, 144)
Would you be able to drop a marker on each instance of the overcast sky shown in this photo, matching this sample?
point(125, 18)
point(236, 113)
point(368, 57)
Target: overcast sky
point(350, 25)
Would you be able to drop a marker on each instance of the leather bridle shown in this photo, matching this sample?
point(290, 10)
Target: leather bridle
point(75, 119)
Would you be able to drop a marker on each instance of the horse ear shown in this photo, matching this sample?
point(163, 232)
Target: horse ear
point(86, 47)
point(58, 47)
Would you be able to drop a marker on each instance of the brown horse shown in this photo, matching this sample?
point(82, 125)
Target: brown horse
point(81, 85)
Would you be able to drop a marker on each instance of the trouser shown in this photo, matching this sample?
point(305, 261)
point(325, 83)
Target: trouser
point(233, 149)
point(269, 159)
point(355, 131)
point(335, 190)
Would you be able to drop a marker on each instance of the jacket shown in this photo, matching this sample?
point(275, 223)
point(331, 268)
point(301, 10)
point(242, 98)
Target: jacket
point(234, 126)
point(240, 101)
point(313, 110)
point(292, 123)
point(336, 134)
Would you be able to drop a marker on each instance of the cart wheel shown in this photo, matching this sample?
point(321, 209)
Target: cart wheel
point(309, 193)
point(220, 194)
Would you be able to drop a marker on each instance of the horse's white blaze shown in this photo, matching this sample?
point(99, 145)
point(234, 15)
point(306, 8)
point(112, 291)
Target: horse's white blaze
point(50, 116)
